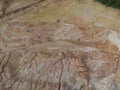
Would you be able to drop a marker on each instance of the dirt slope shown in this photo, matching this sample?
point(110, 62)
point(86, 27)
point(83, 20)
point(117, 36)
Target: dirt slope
point(59, 45)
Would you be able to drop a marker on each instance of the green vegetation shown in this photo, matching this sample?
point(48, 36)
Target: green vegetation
point(112, 3)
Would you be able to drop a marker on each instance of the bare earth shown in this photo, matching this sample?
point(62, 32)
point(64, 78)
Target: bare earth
point(59, 45)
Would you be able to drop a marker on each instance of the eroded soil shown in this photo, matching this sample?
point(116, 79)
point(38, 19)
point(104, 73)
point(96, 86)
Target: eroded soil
point(59, 45)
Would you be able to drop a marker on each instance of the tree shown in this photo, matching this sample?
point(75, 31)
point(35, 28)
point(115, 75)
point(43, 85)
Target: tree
point(112, 3)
